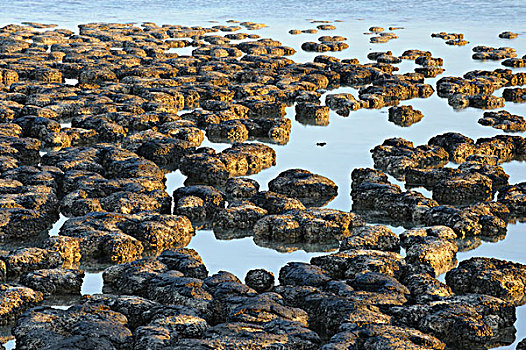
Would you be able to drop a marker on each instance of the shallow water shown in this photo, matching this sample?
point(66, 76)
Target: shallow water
point(348, 139)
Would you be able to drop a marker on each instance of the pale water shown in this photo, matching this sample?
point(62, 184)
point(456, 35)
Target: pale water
point(348, 140)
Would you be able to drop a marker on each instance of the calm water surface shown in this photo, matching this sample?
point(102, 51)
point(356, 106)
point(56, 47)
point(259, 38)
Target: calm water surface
point(348, 139)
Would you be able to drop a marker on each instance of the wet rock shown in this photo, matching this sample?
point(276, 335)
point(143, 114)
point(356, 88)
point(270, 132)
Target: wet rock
point(514, 94)
point(414, 54)
point(326, 27)
point(229, 131)
point(457, 42)
point(385, 336)
point(508, 35)
point(172, 288)
point(48, 328)
point(24, 260)
point(396, 154)
point(312, 114)
point(186, 261)
point(491, 53)
point(119, 237)
point(132, 278)
point(137, 310)
point(344, 103)
point(293, 335)
point(275, 203)
point(238, 160)
point(477, 101)
point(303, 274)
point(430, 72)
point(241, 188)
point(311, 189)
point(514, 62)
point(514, 197)
point(423, 287)
point(375, 197)
point(211, 201)
point(498, 278)
point(306, 226)
point(472, 321)
point(312, 46)
point(239, 216)
point(404, 115)
point(433, 246)
point(483, 219)
point(463, 190)
point(376, 237)
point(260, 280)
point(376, 29)
point(503, 120)
point(459, 147)
point(54, 281)
point(347, 264)
point(14, 300)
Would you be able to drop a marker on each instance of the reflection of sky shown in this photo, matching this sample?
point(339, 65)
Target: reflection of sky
point(348, 140)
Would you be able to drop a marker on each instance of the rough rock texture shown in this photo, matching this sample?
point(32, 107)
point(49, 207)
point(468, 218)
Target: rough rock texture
point(499, 278)
point(54, 281)
point(119, 237)
point(503, 120)
point(306, 226)
point(434, 246)
point(14, 300)
point(76, 328)
point(30, 259)
point(514, 197)
point(311, 189)
point(404, 115)
point(371, 237)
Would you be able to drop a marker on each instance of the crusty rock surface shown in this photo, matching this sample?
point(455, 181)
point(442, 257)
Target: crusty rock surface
point(498, 278)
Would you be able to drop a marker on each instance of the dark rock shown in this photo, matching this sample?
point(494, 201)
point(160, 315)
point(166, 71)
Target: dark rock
point(238, 217)
point(465, 322)
point(464, 190)
point(260, 280)
point(349, 263)
point(498, 278)
point(79, 327)
point(396, 154)
point(433, 246)
point(311, 189)
point(404, 115)
point(514, 197)
point(306, 226)
point(211, 201)
point(384, 336)
point(503, 120)
point(186, 261)
point(276, 203)
point(54, 281)
point(24, 260)
point(132, 278)
point(377, 237)
point(312, 114)
point(303, 274)
point(241, 188)
point(14, 300)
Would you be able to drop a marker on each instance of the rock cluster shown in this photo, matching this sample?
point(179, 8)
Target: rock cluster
point(91, 122)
